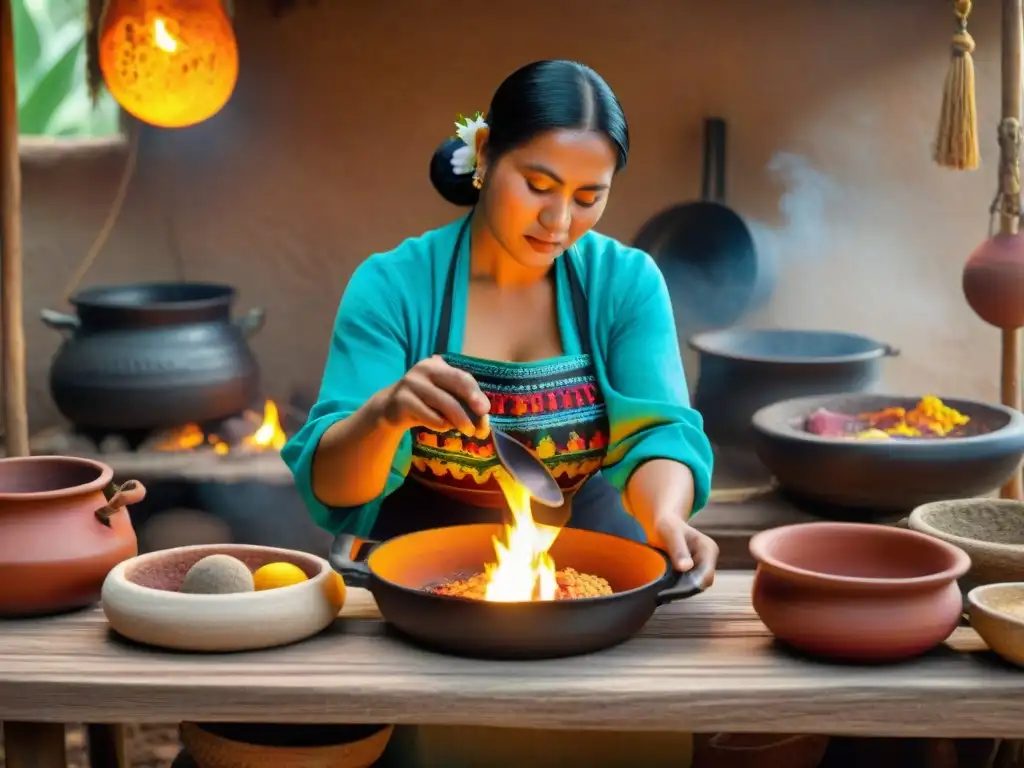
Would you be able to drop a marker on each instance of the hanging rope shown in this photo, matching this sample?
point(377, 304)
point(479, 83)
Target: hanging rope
point(956, 146)
point(112, 214)
point(1007, 200)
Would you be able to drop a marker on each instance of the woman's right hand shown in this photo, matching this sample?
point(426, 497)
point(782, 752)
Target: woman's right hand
point(428, 396)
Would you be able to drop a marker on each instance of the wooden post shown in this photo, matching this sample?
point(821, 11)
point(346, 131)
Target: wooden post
point(34, 745)
point(12, 332)
point(1013, 32)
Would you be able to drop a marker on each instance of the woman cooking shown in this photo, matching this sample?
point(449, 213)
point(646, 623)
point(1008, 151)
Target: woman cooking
point(559, 335)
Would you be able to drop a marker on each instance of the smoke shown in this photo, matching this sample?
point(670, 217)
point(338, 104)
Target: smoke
point(733, 282)
point(802, 235)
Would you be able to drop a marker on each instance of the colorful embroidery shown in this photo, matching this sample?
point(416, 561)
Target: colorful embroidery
point(552, 406)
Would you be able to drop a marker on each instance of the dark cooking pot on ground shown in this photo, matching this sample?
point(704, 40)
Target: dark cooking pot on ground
point(398, 570)
point(743, 370)
point(151, 356)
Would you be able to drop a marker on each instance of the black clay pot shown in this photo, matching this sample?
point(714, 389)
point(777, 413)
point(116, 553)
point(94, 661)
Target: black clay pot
point(151, 356)
point(742, 371)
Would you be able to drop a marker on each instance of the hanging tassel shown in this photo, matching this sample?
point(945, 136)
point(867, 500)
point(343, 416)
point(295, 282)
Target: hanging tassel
point(957, 143)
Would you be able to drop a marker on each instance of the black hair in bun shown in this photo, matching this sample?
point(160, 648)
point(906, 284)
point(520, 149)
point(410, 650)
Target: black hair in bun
point(455, 188)
point(539, 97)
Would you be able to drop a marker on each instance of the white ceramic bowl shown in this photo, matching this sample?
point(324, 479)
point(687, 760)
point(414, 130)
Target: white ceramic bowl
point(141, 601)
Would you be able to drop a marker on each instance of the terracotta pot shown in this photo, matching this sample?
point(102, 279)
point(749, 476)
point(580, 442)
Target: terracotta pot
point(63, 526)
point(993, 281)
point(857, 592)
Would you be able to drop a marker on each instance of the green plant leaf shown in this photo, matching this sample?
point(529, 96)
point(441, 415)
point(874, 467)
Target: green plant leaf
point(53, 93)
point(28, 47)
point(50, 90)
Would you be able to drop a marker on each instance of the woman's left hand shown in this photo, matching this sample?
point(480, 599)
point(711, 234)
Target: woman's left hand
point(688, 548)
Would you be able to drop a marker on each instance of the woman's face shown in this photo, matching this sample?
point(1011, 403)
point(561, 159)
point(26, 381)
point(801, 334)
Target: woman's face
point(540, 198)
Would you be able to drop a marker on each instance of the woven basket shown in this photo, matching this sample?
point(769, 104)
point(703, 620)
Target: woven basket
point(725, 750)
point(210, 750)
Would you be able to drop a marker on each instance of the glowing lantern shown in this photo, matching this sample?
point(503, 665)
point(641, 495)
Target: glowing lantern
point(170, 63)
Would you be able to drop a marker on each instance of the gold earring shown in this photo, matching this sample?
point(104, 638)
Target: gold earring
point(478, 183)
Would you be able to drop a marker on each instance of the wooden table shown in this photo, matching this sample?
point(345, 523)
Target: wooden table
point(703, 665)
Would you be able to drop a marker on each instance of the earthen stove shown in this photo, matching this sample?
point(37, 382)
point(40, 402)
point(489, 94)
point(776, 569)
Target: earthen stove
point(216, 483)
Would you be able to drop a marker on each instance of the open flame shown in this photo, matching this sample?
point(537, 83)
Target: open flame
point(162, 36)
point(268, 436)
point(523, 569)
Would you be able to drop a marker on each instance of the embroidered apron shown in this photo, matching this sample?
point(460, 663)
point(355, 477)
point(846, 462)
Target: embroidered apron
point(554, 406)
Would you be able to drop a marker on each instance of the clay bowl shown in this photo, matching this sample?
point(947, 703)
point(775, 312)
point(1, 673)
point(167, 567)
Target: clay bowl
point(141, 601)
point(991, 531)
point(754, 750)
point(996, 612)
point(857, 592)
point(890, 476)
point(263, 745)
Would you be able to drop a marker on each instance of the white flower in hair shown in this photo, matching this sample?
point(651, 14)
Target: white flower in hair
point(463, 161)
point(464, 158)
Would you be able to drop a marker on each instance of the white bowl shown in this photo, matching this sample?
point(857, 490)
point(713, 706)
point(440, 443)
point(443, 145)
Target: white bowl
point(141, 601)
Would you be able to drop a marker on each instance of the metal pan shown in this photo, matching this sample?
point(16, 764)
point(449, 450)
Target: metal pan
point(704, 248)
point(527, 469)
point(398, 570)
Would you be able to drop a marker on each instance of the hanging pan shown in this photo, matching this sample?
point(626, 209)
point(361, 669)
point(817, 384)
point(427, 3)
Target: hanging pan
point(705, 250)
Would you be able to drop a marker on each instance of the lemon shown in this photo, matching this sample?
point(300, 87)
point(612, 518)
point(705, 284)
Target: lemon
point(334, 588)
point(276, 575)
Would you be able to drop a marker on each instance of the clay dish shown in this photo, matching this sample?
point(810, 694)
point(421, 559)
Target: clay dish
point(857, 592)
point(886, 476)
point(263, 745)
point(997, 614)
point(141, 601)
point(991, 531)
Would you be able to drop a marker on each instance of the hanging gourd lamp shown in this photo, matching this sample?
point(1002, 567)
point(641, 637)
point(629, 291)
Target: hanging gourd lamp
point(993, 281)
point(993, 277)
point(169, 63)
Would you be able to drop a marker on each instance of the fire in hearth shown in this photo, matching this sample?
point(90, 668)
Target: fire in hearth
point(250, 432)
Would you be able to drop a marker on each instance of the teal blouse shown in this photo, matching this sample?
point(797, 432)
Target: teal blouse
point(387, 322)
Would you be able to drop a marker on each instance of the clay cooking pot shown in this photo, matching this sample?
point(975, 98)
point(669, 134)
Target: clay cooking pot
point(857, 592)
point(63, 526)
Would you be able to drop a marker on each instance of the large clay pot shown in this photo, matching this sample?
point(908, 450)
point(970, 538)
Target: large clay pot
point(153, 356)
point(857, 592)
point(63, 526)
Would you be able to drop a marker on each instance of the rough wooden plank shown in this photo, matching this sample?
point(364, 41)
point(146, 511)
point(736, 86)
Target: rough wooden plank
point(704, 665)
